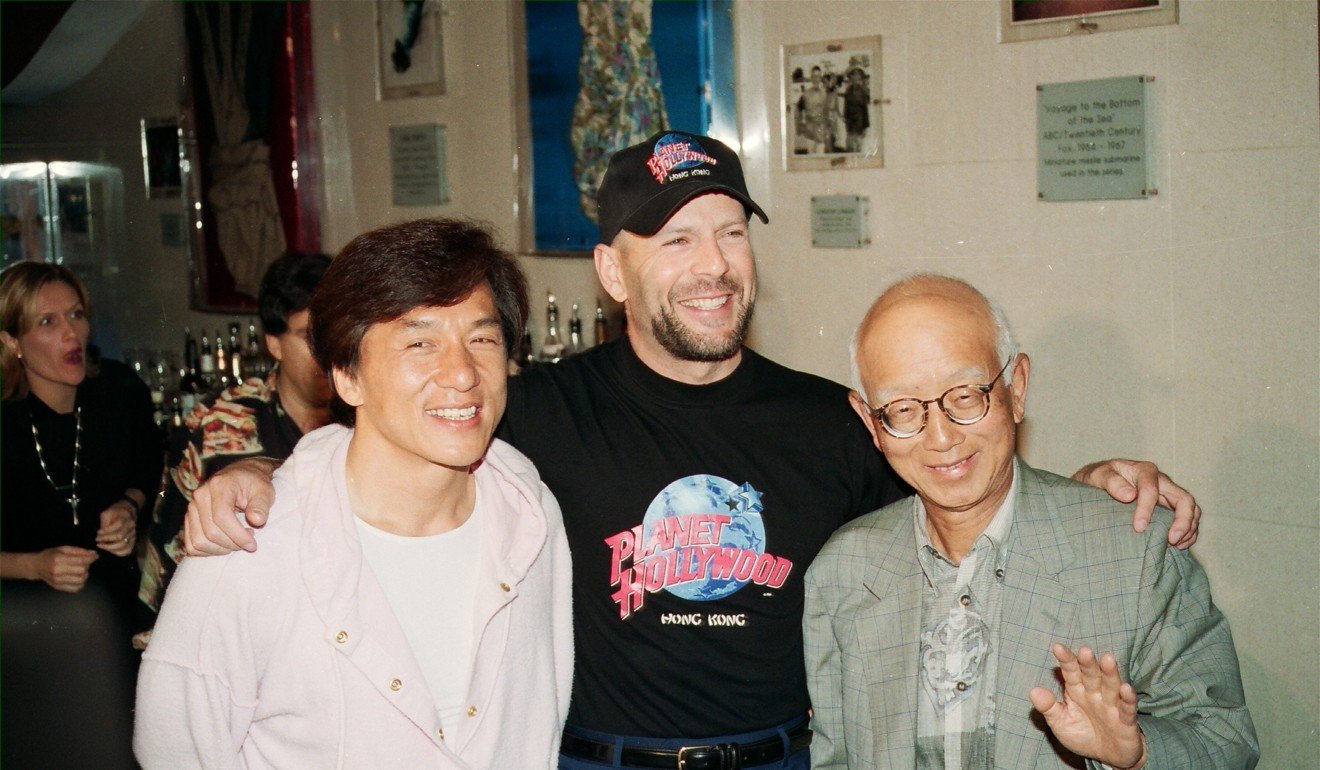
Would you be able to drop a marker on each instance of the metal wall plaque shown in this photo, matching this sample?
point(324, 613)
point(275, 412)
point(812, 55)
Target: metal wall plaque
point(417, 165)
point(840, 221)
point(1092, 139)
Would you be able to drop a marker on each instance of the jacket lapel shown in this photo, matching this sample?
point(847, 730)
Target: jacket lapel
point(1038, 610)
point(891, 628)
point(516, 532)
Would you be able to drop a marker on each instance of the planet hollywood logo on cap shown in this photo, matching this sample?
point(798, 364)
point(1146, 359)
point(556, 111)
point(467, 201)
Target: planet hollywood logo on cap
point(676, 152)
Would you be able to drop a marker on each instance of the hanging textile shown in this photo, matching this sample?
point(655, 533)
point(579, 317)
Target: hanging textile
point(619, 101)
point(242, 194)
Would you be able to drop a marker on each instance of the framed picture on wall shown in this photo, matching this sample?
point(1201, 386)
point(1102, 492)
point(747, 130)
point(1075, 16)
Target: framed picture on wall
point(410, 54)
point(831, 104)
point(160, 157)
point(1034, 19)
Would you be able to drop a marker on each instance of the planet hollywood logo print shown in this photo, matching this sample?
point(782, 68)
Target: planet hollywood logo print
point(677, 153)
point(702, 539)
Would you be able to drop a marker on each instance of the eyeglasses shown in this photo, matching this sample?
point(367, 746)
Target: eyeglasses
point(962, 404)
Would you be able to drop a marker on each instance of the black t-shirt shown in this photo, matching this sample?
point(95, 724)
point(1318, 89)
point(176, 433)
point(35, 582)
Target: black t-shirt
point(121, 449)
point(692, 513)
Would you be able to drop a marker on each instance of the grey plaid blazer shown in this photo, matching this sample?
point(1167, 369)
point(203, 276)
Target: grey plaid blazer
point(1078, 574)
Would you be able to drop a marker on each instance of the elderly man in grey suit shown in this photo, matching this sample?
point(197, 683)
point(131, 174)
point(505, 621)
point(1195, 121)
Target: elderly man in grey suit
point(935, 626)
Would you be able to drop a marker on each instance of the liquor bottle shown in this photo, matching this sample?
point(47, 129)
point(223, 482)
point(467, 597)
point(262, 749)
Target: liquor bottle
point(189, 347)
point(552, 347)
point(177, 411)
point(525, 358)
point(186, 398)
point(574, 332)
point(158, 384)
point(207, 365)
point(190, 378)
point(600, 332)
point(236, 372)
point(255, 363)
point(221, 362)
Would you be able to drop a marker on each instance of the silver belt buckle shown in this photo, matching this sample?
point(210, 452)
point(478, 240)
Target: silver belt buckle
point(682, 758)
point(682, 755)
point(725, 751)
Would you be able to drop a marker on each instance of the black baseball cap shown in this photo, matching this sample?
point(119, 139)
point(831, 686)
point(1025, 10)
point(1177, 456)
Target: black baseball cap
point(646, 183)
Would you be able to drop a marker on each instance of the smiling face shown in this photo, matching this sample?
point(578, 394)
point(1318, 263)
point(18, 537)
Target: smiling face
point(429, 387)
point(53, 345)
point(689, 289)
point(919, 348)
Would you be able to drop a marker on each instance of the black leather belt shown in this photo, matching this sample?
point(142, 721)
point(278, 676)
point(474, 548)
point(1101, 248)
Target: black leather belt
point(715, 756)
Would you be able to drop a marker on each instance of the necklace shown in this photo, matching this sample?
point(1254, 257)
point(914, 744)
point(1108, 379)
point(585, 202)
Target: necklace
point(71, 489)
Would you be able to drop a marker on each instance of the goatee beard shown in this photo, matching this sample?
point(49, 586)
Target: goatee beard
point(686, 345)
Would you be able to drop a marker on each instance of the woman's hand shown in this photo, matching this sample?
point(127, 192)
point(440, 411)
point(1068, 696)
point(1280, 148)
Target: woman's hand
point(64, 567)
point(118, 532)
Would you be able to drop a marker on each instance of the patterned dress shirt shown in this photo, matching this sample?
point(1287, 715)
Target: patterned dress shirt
point(245, 420)
point(960, 610)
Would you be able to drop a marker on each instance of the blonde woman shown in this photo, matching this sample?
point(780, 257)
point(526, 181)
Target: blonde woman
point(79, 455)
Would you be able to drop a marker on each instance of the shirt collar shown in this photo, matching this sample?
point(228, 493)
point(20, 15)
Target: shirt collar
point(995, 535)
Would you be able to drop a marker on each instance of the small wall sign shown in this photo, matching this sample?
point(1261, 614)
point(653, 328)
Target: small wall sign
point(417, 165)
point(840, 221)
point(1092, 139)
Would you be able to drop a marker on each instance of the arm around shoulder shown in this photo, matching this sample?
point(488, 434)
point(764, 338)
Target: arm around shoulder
point(1185, 669)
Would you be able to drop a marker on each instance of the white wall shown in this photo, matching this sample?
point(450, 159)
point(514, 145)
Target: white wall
point(480, 123)
point(1184, 328)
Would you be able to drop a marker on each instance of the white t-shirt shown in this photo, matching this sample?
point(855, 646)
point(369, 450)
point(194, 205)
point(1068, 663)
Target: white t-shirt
point(430, 583)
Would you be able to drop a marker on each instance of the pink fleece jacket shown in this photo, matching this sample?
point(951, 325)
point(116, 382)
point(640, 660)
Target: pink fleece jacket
point(292, 657)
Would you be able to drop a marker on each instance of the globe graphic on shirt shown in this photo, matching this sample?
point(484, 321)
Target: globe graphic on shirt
point(706, 494)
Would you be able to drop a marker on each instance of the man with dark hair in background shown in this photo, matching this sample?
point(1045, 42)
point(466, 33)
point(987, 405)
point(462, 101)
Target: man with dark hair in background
point(254, 418)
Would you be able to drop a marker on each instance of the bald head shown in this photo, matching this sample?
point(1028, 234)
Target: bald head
point(928, 292)
point(926, 337)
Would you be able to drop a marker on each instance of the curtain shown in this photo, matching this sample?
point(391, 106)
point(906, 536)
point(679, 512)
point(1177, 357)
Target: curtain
point(619, 101)
point(249, 231)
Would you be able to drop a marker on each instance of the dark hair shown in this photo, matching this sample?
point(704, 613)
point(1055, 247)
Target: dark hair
point(384, 274)
point(287, 287)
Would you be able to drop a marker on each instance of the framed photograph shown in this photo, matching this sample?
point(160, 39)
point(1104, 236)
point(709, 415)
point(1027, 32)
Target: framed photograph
point(1037, 19)
point(160, 157)
point(831, 96)
point(410, 54)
